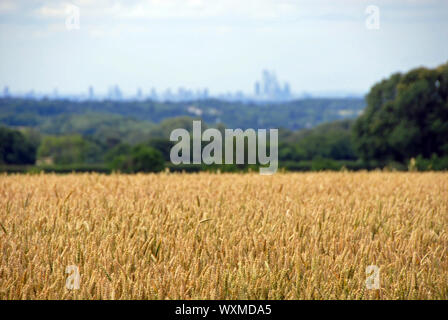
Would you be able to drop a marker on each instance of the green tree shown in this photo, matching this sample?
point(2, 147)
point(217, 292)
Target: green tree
point(141, 158)
point(64, 149)
point(330, 140)
point(122, 149)
point(406, 116)
point(163, 145)
point(15, 148)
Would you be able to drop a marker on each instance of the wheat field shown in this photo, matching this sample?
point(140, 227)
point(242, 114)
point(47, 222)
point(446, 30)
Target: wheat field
point(224, 236)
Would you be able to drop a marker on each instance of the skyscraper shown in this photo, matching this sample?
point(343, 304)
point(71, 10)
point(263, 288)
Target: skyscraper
point(257, 89)
point(153, 95)
point(270, 89)
point(115, 93)
point(6, 92)
point(91, 93)
point(139, 94)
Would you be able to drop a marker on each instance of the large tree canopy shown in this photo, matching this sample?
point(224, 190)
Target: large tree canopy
point(406, 116)
point(15, 148)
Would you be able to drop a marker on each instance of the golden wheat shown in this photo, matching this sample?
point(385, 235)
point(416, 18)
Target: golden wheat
point(224, 236)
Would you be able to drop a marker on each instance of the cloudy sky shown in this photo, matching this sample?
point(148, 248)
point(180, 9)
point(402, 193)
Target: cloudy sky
point(316, 45)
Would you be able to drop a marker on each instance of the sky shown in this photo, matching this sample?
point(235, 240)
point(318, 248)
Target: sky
point(316, 45)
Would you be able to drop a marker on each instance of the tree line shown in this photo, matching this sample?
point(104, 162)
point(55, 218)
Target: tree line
point(404, 125)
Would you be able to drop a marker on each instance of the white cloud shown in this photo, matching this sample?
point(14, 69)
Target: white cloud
point(7, 6)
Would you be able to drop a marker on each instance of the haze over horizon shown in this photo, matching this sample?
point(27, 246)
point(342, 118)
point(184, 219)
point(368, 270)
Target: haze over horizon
point(316, 46)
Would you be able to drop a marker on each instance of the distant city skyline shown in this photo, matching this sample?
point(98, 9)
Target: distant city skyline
point(267, 88)
point(317, 46)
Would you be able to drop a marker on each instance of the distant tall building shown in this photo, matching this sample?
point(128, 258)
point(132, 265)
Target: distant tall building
point(168, 96)
point(115, 93)
point(270, 84)
point(91, 93)
point(153, 95)
point(139, 94)
point(257, 89)
point(270, 89)
point(181, 94)
point(286, 90)
point(6, 92)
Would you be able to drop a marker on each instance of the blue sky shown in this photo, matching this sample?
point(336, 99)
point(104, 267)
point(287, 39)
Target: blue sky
point(315, 45)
